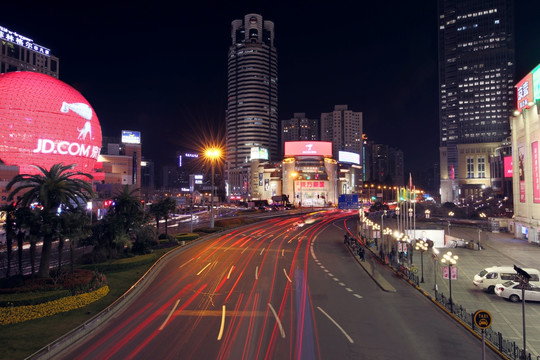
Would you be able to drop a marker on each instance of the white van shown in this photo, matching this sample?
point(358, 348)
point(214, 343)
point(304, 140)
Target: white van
point(491, 276)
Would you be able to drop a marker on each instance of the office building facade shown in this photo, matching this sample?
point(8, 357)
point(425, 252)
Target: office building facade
point(342, 127)
point(476, 79)
point(299, 128)
point(252, 106)
point(19, 53)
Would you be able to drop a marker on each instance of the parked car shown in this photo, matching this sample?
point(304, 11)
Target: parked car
point(491, 276)
point(511, 290)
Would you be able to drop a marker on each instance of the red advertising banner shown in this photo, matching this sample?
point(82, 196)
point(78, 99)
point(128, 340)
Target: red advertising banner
point(308, 148)
point(508, 167)
point(453, 275)
point(536, 172)
point(521, 159)
point(524, 92)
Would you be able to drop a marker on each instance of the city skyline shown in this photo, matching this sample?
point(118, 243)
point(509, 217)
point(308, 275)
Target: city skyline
point(160, 70)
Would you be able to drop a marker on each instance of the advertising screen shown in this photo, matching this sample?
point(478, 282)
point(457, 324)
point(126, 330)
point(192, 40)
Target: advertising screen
point(524, 92)
point(259, 153)
point(349, 157)
point(131, 137)
point(44, 121)
point(536, 172)
point(536, 83)
point(508, 167)
point(307, 148)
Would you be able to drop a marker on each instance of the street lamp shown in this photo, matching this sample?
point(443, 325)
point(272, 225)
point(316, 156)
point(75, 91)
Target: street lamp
point(451, 213)
point(212, 154)
point(428, 213)
point(422, 246)
point(294, 175)
point(451, 260)
point(397, 215)
point(435, 258)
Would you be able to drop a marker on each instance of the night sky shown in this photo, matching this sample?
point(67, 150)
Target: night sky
point(162, 68)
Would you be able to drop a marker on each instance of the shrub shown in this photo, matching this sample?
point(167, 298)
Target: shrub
point(186, 236)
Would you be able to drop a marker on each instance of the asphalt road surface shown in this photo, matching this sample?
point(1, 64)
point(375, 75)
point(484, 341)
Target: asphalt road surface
point(283, 288)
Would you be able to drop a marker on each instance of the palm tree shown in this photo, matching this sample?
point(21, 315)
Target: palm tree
point(29, 228)
point(169, 205)
point(127, 209)
point(52, 189)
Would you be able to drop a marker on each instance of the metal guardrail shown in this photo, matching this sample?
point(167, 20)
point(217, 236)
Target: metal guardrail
point(506, 347)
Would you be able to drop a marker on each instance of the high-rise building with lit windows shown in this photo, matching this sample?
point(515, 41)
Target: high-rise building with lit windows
point(343, 127)
point(476, 79)
point(252, 105)
point(299, 128)
point(19, 53)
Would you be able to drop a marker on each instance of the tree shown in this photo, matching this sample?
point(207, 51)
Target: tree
point(52, 189)
point(127, 209)
point(29, 228)
point(161, 210)
point(74, 225)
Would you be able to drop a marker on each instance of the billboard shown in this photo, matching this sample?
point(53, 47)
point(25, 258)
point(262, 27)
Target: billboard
point(508, 167)
point(44, 121)
point(524, 92)
point(521, 163)
point(259, 153)
point(131, 137)
point(308, 148)
point(349, 157)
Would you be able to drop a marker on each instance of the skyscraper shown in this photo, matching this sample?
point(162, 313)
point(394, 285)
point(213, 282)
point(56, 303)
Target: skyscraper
point(343, 127)
point(476, 79)
point(299, 128)
point(252, 112)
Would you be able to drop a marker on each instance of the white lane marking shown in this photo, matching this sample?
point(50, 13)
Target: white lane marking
point(282, 252)
point(256, 273)
point(349, 289)
point(262, 251)
point(222, 324)
point(278, 322)
point(342, 284)
point(243, 251)
point(285, 272)
point(169, 316)
point(230, 271)
point(203, 269)
point(322, 267)
point(358, 296)
point(335, 279)
point(337, 325)
point(187, 262)
point(330, 274)
point(326, 270)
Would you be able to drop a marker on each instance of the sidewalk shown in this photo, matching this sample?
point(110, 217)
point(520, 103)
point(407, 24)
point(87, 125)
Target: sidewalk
point(499, 249)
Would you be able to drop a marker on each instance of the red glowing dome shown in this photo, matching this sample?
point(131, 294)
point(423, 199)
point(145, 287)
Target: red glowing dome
point(44, 121)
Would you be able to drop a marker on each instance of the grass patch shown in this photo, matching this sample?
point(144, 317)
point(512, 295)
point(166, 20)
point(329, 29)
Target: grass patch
point(28, 337)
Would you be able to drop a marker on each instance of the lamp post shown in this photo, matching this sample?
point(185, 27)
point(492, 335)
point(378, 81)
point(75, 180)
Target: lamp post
point(212, 154)
point(451, 213)
point(435, 258)
point(294, 175)
point(422, 246)
point(451, 260)
point(428, 213)
point(397, 215)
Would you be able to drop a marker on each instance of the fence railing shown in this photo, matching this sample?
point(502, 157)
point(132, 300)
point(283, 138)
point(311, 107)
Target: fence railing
point(507, 347)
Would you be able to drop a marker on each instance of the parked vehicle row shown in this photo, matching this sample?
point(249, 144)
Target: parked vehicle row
point(503, 281)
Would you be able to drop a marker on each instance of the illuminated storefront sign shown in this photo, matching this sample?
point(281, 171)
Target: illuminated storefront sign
point(307, 148)
point(508, 167)
point(521, 159)
point(43, 122)
point(349, 157)
point(536, 83)
point(536, 172)
point(131, 137)
point(258, 153)
point(524, 94)
point(20, 40)
point(190, 155)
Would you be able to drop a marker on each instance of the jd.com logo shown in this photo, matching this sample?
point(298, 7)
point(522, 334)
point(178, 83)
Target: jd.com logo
point(47, 146)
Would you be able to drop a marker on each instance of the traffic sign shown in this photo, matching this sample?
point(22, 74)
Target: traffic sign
point(482, 319)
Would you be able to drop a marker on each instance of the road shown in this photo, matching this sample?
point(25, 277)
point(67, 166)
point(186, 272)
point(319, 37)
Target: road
point(284, 288)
